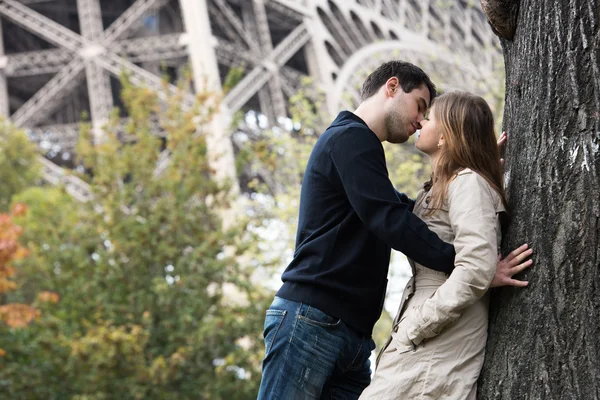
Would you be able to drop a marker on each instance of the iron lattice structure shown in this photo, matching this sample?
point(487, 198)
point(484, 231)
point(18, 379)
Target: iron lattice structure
point(61, 58)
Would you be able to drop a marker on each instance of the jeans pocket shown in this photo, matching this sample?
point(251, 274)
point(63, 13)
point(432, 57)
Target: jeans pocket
point(273, 321)
point(316, 317)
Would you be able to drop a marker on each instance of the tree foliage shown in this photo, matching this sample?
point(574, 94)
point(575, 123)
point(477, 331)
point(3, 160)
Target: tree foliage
point(13, 315)
point(18, 169)
point(145, 295)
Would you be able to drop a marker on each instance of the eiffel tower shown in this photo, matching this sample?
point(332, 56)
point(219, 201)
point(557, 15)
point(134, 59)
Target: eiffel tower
point(61, 58)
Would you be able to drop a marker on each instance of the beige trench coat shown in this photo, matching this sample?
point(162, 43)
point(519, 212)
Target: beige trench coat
point(437, 345)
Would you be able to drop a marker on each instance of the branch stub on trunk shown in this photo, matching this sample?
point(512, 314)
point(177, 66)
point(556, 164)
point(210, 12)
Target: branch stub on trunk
point(502, 16)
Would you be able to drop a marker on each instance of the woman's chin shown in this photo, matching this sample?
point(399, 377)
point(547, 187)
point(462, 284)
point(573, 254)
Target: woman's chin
point(423, 151)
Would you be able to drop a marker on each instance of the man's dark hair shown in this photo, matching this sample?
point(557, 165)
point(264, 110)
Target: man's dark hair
point(409, 76)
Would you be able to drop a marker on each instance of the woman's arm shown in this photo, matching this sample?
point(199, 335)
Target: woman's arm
point(472, 214)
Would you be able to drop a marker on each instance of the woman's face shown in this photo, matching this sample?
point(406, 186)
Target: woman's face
point(430, 135)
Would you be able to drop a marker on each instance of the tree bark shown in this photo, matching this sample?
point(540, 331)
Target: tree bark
point(544, 341)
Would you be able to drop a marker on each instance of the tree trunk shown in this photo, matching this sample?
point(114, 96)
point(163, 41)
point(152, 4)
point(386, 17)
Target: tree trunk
point(544, 341)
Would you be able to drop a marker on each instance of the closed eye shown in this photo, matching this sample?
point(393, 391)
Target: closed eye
point(422, 105)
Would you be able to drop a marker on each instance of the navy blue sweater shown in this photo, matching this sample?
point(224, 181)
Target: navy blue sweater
point(350, 218)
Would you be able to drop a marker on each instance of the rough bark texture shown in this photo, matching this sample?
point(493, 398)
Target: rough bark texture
point(544, 341)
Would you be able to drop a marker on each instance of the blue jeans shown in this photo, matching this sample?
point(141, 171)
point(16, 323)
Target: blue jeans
point(311, 355)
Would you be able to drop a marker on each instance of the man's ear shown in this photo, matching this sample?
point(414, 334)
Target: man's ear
point(392, 86)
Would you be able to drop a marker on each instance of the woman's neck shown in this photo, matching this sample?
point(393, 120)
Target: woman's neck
point(433, 160)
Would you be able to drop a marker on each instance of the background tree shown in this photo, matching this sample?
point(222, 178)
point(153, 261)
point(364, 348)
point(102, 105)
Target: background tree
point(13, 315)
point(543, 341)
point(18, 169)
point(150, 299)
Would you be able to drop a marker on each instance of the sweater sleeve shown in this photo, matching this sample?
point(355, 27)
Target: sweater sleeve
point(473, 218)
point(359, 159)
point(405, 199)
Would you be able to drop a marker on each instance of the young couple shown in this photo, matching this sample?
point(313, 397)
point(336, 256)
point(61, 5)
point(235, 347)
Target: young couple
point(318, 329)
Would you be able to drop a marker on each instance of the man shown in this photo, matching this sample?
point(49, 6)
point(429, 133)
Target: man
point(318, 329)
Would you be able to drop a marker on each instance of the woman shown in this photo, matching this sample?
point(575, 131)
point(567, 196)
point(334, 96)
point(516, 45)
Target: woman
point(437, 344)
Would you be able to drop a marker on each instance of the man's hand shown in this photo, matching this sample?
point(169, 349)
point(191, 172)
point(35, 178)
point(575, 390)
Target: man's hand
point(511, 265)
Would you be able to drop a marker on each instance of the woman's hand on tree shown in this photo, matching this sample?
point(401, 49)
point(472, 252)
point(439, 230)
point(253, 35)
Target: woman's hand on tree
point(512, 265)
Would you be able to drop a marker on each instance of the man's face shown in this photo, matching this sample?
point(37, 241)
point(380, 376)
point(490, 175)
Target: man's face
point(404, 113)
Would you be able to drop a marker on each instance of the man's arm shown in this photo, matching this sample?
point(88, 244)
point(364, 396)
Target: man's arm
point(360, 162)
point(405, 199)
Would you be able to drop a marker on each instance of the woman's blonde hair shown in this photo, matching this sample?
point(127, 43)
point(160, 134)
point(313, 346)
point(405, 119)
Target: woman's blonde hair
point(467, 124)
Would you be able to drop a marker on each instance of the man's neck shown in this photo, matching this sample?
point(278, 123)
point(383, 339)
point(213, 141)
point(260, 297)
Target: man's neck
point(370, 112)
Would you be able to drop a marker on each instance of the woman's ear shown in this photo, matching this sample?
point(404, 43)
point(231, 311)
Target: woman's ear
point(441, 142)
